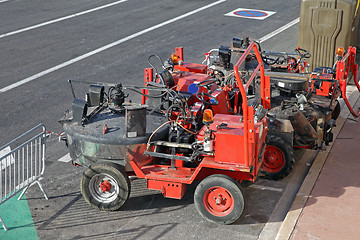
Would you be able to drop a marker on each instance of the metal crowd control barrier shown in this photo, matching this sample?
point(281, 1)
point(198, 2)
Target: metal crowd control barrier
point(22, 166)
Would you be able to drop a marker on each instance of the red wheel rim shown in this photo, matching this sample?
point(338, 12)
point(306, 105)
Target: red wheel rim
point(105, 186)
point(274, 159)
point(218, 201)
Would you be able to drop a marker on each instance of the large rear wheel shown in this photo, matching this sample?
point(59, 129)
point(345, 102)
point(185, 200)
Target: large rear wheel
point(105, 186)
point(218, 199)
point(278, 159)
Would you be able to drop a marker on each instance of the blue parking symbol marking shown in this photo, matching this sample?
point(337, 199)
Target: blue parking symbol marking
point(250, 13)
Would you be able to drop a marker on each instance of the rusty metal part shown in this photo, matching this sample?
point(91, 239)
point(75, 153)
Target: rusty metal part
point(302, 126)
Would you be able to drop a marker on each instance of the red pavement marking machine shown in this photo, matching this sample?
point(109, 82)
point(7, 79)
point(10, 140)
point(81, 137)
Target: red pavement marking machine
point(208, 123)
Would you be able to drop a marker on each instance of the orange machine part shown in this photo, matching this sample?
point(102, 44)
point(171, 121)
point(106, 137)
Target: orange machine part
point(192, 67)
point(229, 146)
point(326, 86)
point(184, 79)
point(168, 189)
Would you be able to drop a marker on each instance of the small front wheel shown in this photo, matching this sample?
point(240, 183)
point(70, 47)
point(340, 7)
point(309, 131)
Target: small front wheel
point(105, 186)
point(218, 198)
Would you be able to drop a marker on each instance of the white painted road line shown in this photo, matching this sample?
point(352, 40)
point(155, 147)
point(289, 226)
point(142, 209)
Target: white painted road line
point(58, 19)
point(279, 30)
point(89, 54)
point(65, 158)
point(1, 1)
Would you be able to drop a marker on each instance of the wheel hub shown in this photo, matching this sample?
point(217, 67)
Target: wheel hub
point(218, 201)
point(105, 186)
point(274, 159)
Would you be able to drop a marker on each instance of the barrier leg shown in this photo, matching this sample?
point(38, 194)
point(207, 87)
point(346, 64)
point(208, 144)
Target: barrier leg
point(23, 191)
point(42, 189)
point(3, 224)
point(26, 188)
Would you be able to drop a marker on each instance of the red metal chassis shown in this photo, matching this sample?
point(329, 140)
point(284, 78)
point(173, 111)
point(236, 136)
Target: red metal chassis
point(172, 182)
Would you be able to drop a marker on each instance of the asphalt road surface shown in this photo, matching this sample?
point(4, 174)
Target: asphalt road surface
point(45, 43)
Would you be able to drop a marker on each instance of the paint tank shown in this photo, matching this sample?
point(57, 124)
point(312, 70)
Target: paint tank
point(125, 139)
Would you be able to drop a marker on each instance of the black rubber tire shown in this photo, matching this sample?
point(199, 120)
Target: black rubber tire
point(119, 180)
point(272, 170)
point(215, 184)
